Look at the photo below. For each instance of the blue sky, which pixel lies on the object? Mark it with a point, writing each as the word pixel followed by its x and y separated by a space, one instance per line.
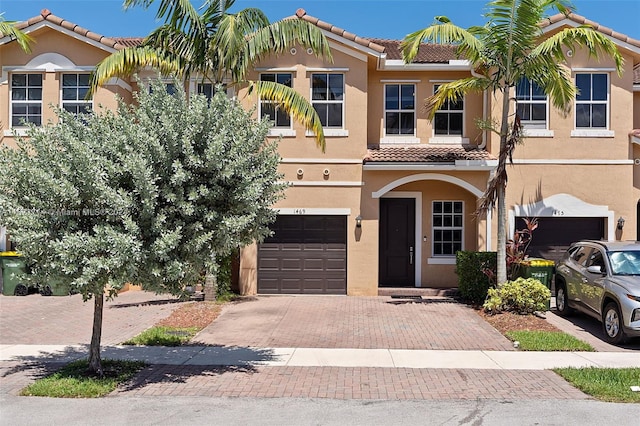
pixel 368 18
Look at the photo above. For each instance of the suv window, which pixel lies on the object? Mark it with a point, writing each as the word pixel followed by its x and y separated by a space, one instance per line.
pixel 596 259
pixel 581 254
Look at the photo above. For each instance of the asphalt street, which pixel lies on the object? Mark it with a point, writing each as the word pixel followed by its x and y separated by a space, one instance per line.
pixel 300 412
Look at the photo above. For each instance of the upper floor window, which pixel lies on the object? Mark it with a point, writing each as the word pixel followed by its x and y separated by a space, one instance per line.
pixel 447 223
pixel 449 118
pixel 26 99
pixel 399 109
pixel 592 100
pixel 74 90
pixel 327 97
pixel 280 117
pixel 531 104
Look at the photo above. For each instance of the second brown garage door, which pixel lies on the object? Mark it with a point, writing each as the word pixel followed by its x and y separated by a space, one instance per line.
pixel 306 255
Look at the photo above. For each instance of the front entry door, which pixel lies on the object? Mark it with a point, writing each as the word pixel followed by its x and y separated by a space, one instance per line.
pixel 397 242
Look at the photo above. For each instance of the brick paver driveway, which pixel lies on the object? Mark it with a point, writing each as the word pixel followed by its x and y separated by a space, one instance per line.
pixel 352 322
pixel 66 320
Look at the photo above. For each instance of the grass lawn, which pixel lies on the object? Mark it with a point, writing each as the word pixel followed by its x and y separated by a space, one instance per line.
pixel 163 336
pixel 605 384
pixel 536 340
pixel 74 381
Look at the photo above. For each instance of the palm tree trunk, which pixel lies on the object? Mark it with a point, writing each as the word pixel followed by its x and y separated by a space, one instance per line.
pixel 501 191
pixel 95 363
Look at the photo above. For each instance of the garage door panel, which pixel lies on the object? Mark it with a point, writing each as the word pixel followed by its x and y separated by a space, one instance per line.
pixel 554 234
pixel 305 255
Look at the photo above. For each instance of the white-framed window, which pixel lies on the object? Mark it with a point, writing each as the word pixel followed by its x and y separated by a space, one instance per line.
pixel 399 109
pixel 281 119
pixel 449 119
pixel 206 89
pixel 75 87
pixel 327 97
pixel 26 99
pixel 531 105
pixel 592 101
pixel 447 227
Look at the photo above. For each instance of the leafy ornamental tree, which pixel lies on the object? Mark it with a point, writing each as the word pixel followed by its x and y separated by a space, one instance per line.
pixel 508 48
pixel 149 195
pixel 221 47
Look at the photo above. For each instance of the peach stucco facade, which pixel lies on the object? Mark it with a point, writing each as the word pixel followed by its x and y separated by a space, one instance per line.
pixel 563 173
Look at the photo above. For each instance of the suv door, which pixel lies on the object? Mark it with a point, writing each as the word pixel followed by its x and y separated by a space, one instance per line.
pixel 592 289
pixel 574 270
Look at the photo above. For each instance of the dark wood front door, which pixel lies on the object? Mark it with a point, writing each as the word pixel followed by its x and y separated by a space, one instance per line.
pixel 397 242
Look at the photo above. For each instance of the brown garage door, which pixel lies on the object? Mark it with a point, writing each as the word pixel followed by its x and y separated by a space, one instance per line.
pixel 554 234
pixel 306 255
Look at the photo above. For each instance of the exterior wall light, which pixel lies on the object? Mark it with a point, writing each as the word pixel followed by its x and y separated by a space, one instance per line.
pixel 358 221
pixel 620 222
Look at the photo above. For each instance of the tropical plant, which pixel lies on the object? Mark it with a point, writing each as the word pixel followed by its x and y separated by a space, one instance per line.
pixel 508 48
pixel 213 44
pixel 9 29
pixel 152 194
pixel 518 245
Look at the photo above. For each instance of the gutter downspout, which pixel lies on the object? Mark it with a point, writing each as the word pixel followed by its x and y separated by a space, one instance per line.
pixel 485 102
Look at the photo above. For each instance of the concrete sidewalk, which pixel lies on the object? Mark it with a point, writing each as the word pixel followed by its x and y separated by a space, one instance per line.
pixel 323 357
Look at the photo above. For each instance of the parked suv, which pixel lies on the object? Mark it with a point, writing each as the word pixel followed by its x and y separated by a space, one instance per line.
pixel 602 279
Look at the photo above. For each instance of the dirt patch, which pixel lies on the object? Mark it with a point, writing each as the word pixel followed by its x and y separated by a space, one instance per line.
pixel 509 321
pixel 192 314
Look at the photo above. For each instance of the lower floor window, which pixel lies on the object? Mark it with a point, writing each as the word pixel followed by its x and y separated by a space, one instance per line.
pixel 447 223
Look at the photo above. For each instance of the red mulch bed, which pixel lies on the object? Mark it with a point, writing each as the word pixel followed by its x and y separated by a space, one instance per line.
pixel 192 314
pixel 509 321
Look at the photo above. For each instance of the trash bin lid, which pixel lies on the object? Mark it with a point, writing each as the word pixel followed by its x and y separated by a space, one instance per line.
pixel 9 254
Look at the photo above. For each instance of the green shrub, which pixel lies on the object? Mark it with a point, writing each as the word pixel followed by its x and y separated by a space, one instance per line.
pixel 473 282
pixel 521 295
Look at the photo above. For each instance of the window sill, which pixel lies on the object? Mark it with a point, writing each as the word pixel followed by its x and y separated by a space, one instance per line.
pixel 449 140
pixel 20 132
pixel 592 133
pixel 537 133
pixel 398 140
pixel 332 133
pixel 285 133
pixel 444 260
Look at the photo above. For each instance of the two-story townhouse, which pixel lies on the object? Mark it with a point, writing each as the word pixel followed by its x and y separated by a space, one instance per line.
pixel 392 198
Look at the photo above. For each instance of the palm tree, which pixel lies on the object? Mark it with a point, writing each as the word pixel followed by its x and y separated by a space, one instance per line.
pixel 8 28
pixel 505 50
pixel 214 44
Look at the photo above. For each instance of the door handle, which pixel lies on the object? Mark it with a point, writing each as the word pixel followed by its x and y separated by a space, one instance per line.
pixel 410 255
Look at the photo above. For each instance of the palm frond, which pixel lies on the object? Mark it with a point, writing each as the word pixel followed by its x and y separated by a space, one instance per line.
pixel 127 62
pixel 442 32
pixel 177 13
pixel 293 103
pixel 453 91
pixel 584 37
pixel 8 29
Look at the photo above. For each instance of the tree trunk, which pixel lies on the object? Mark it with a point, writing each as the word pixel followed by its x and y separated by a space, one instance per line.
pixel 501 191
pixel 95 363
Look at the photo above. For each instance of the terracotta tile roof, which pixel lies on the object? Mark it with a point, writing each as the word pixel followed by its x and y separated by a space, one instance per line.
pixel 584 21
pixel 425 154
pixel 46 15
pixel 129 41
pixel 302 14
pixel 428 53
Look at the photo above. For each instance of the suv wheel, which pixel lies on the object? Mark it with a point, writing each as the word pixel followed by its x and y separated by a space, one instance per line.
pixel 612 324
pixel 562 301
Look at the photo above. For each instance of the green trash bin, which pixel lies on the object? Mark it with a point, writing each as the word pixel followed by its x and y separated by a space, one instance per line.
pixel 54 287
pixel 13 272
pixel 540 269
